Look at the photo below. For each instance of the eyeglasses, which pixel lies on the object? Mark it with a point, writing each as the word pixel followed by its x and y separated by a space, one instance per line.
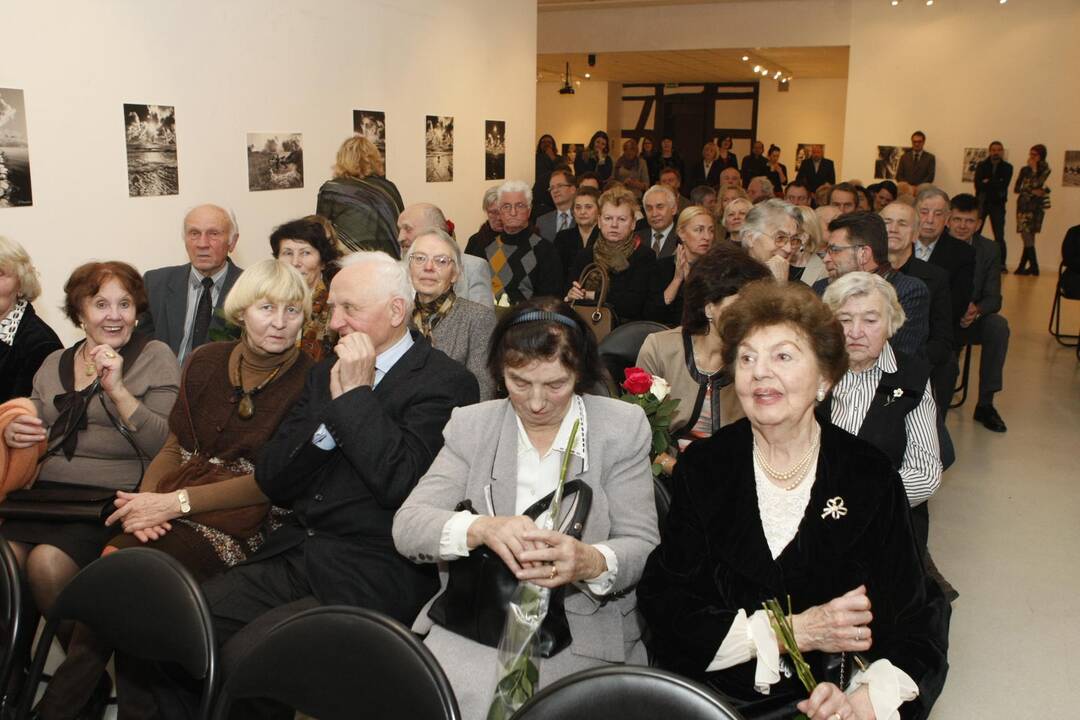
pixel 837 249
pixel 441 261
pixel 783 239
pixel 516 207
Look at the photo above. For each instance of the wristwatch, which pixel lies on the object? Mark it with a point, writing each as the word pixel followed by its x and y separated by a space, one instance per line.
pixel 185 506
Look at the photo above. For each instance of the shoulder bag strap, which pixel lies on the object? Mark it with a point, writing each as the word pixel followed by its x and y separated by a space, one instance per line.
pixel 579 508
pixel 601 294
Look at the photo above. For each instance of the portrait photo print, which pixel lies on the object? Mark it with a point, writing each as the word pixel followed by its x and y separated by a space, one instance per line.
pixel 275 161
pixel 439 148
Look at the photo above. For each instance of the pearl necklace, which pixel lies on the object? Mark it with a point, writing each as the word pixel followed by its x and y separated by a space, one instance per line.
pixel 797 471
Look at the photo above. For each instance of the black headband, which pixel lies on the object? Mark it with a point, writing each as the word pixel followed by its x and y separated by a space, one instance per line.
pixel 543 316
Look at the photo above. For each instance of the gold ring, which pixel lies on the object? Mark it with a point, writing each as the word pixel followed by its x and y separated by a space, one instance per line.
pixel 110 354
pixel 554 572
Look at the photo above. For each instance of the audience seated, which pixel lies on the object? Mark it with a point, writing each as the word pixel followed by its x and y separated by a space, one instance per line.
pixel 865 402
pixel 695 234
pixel 734 216
pixel 184 300
pixel 455 325
pixel 25 339
pixel 689 356
pixel 199 501
pixel 728 193
pixel 771 234
pixel 672 179
pixel 759 189
pixel 309 246
pixel 797 193
pixel 473 274
pixel 733 532
pixel 804 264
pixel 730 177
pixel 630 168
pixel 982 323
pixel 596 159
pixel 859 241
pixel 582 234
pixel 522 263
pixel 628 262
pixel 544 360
pixel 706 197
pixel 844 197
pixel 816 170
pixel 588 179
pixel 661 208
pixel 561 189
pixel 361 203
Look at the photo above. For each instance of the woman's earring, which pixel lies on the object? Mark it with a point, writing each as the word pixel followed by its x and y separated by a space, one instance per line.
pixel 821 394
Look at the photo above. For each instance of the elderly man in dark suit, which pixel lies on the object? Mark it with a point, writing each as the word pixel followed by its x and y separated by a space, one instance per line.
pixel 816 170
pixel 185 299
pixel 916 165
pixel 982 323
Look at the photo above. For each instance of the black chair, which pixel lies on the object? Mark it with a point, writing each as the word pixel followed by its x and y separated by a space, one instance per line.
pixel 965 374
pixel 663 503
pixel 619 350
pixel 626 693
pixel 11 618
pixel 1068 288
pixel 143 603
pixel 341 662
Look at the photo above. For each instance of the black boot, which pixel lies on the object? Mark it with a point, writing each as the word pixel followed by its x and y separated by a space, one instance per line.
pixel 1021 269
pixel 1033 264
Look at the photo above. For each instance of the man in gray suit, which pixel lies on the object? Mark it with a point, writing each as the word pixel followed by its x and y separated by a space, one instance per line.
pixel 185 300
pixel 916 165
pixel 563 190
pixel 474 280
pixel 661 205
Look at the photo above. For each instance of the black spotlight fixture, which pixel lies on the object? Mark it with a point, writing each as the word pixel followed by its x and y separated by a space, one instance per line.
pixel 592 59
pixel 567 88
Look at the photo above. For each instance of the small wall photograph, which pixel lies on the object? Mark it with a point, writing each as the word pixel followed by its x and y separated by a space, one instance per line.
pixel 972 157
pixel 275 161
pixel 372 125
pixel 1070 174
pixel 15 190
pixel 151 150
pixel 802 152
pixel 439 145
pixel 494 149
pixel 888 160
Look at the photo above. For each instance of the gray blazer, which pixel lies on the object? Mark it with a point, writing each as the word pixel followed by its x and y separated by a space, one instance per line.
pixel 465 334
pixel 622 516
pixel 547 225
pixel 916 173
pixel 167 289
pixel 474 281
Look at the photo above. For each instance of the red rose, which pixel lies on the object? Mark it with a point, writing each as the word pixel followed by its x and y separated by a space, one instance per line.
pixel 637 381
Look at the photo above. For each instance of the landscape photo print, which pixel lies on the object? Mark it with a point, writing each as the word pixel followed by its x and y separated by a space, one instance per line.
pixel 275 161
pixel 15 190
pixel 439 148
pixel 150 132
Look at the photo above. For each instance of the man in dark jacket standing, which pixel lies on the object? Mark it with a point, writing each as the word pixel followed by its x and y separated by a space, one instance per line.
pixel 993 175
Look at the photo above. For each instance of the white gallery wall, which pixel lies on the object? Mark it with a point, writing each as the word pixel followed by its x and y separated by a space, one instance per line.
pixel 967 72
pixel 571 118
pixel 249 66
pixel 811 111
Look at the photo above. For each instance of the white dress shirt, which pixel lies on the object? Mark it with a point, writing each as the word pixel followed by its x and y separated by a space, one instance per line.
pixel 923 252
pixel 195 289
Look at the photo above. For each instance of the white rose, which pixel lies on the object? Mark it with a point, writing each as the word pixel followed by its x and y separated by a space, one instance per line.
pixel 660 388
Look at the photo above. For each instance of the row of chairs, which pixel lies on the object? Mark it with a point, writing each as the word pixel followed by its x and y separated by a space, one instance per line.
pixel 326 663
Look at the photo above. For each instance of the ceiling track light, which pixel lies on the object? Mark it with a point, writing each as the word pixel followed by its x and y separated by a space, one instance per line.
pixel 929 3
pixel 745 58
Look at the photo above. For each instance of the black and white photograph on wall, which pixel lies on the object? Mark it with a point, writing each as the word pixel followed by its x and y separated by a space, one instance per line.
pixel 372 125
pixel 802 152
pixel 1070 176
pixel 275 161
pixel 439 141
pixel 151 150
pixel 494 149
pixel 972 157
pixel 888 160
pixel 571 152
pixel 15 188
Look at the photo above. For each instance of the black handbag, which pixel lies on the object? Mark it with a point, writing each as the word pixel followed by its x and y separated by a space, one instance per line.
pixel 59 503
pixel 480 586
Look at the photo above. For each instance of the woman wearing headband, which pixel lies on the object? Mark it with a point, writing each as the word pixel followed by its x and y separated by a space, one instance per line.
pixel 543 359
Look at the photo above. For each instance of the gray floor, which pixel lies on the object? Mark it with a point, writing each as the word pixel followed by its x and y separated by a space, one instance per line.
pixel 1004 528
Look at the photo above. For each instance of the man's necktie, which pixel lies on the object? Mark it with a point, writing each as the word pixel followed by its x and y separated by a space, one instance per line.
pixel 563 221
pixel 657 243
pixel 204 311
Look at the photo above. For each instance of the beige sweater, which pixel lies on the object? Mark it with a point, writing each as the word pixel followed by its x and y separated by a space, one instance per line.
pixel 103 457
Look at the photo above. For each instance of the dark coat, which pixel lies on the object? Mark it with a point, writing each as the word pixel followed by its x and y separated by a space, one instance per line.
pixel 655 308
pixel 957 258
pixel 992 183
pixel 167 289
pixel 568 245
pixel 919 172
pixel 628 290
pixel 753 166
pixel 940 343
pixel 364 212
pixel 34 341
pixel 826 174
pixel 713 560
pixel 343 500
pixel 699 177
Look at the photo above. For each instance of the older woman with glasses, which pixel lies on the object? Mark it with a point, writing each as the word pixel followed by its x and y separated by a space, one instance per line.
pixel 806 266
pixel 459 327
pixel 771 234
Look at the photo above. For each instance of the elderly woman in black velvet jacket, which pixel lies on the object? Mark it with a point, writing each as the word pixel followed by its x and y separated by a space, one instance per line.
pixel 25 339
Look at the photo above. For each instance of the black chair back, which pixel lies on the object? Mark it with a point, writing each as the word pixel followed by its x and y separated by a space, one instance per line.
pixel 143 603
pixel 619 350
pixel 341 662
pixel 626 693
pixel 10 615
pixel 663 503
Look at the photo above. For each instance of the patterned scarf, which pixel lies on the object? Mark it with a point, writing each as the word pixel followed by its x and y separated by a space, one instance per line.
pixel 428 314
pixel 614 257
pixel 9 325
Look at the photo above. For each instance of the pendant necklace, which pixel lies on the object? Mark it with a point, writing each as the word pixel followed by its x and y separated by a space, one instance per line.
pixel 246 408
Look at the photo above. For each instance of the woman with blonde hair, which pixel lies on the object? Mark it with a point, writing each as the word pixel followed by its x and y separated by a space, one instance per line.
pixel 805 265
pixel 360 202
pixel 696 232
pixel 25 339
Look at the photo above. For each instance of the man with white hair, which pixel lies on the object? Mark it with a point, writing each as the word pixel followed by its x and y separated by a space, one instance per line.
pixel 474 277
pixel 760 189
pixel 523 264
pixel 185 299
pixel 661 206
pixel 366 428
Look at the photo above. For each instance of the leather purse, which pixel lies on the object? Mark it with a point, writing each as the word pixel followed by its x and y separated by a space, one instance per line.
pixel 480 586
pixel 59 503
pixel 600 317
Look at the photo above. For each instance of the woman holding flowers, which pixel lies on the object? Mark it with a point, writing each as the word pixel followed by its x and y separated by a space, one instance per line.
pixel 778 506
pixel 543 359
pixel 689 356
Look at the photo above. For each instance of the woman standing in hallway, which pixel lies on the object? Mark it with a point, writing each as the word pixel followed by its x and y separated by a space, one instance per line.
pixel 1031 203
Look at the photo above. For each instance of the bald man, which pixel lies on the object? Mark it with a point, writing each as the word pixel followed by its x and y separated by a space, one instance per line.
pixel 474 279
pixel 185 299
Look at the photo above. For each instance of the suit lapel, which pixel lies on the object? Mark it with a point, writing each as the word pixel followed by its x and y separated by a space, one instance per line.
pixel 504 465
pixel 176 305
pixel 414 359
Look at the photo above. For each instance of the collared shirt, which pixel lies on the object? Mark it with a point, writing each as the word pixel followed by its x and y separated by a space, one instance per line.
pixel 195 289
pixel 563 220
pixel 9 325
pixel 660 237
pixel 920 469
pixel 537 476
pixel 383 362
pixel 922 251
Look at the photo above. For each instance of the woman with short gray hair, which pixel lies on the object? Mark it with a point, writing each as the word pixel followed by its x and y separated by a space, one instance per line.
pixel 459 327
pixel 770 234
pixel 885 396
